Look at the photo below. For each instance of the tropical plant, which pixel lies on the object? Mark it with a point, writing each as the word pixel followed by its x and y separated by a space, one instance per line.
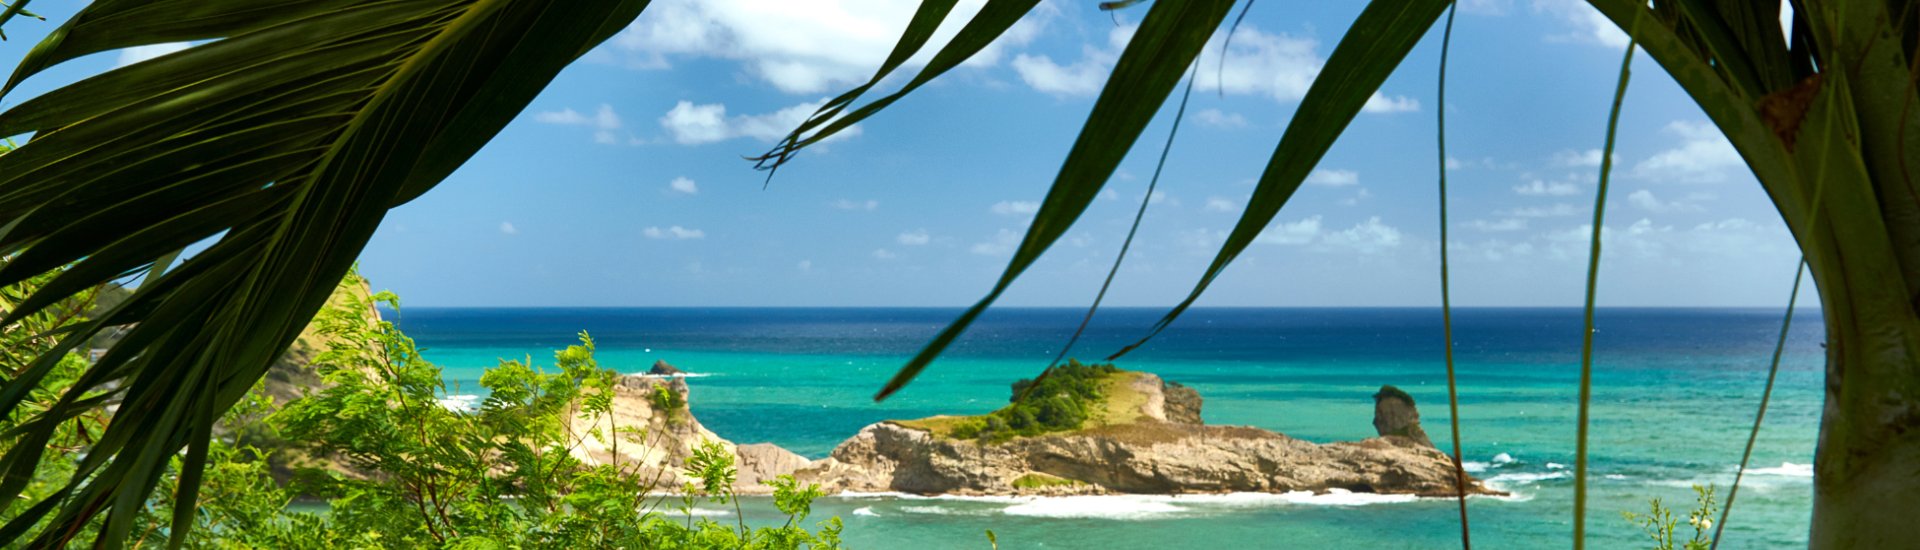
pixel 285 138
pixel 421 474
pixel 1658 522
pixel 406 471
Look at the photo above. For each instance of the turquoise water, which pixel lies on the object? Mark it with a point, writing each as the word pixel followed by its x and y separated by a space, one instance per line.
pixel 1674 396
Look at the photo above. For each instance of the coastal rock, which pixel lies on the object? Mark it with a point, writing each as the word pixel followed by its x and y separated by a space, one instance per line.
pixel 650 425
pixel 1182 404
pixel 1394 415
pixel 760 462
pixel 662 368
pixel 1165 450
pixel 1149 457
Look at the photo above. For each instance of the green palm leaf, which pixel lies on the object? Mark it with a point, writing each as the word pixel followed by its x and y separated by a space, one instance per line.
pixel 283 142
pixel 1380 39
pixel 1169 39
pixel 1167 42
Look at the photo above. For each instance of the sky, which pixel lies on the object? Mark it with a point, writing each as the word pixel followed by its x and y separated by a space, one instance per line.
pixel 624 183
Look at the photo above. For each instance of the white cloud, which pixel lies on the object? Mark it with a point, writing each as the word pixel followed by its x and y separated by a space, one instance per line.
pixel 1454 163
pixel 1704 156
pixel 1368 237
pixel 1380 104
pixel 1590 25
pixel 1333 178
pixel 1294 233
pixel 137 54
pixel 1201 240
pixel 1554 211
pixel 1493 250
pixel 684 185
pixel 846 204
pixel 566 116
pixel 1580 159
pixel 1507 224
pixel 1217 204
pixel 673 233
pixel 1219 119
pixel 1279 66
pixel 884 254
pixel 805 265
pixel 1486 7
pixel 1645 200
pixel 917 237
pixel 694 124
pixel 1358 195
pixel 1001 245
pixel 604 121
pixel 1079 79
pixel 508 229
pixel 798 46
pixel 1539 188
pixel 1015 208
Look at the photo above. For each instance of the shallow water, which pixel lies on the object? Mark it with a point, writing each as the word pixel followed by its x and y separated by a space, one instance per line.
pixel 1674 396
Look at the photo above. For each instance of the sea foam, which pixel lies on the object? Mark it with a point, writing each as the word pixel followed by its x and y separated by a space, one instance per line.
pixel 1121 506
pixel 1785 469
pixel 460 403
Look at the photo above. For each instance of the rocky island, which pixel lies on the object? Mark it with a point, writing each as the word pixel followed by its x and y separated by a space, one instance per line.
pixel 1079 430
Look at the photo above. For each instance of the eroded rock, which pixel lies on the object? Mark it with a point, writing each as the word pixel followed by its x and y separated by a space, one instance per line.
pixel 1394 415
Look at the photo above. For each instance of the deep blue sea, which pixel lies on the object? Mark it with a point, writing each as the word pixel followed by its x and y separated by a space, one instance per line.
pixel 1674 396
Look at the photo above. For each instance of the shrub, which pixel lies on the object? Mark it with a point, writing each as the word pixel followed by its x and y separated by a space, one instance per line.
pixel 1058 400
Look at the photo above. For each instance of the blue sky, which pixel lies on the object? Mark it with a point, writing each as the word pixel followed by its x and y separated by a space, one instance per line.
pixel 623 184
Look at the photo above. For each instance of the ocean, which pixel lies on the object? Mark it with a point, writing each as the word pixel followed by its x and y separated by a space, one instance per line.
pixel 1674 397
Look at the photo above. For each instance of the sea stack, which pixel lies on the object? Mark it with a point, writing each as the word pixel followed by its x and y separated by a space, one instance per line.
pixel 662 368
pixel 1395 416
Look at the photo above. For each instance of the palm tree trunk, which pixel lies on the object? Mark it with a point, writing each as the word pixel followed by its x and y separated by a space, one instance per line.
pixel 1867 468
pixel 1867 464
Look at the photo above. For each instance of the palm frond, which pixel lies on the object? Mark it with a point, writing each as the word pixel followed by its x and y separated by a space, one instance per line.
pixel 1446 283
pixel 282 142
pixel 992 21
pixel 1170 37
pixel 1593 284
pixel 1383 34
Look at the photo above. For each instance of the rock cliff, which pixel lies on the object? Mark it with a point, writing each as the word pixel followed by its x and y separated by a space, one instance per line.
pixel 1150 440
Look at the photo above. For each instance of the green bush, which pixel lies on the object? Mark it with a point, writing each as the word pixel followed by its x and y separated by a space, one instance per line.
pixel 1061 399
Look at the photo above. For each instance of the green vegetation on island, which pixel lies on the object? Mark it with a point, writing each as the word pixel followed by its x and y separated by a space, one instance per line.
pixel 1065 398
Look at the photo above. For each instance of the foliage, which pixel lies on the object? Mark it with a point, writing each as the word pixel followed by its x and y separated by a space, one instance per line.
pixel 1658 523
pixel 1061 399
pixel 1042 481
pixel 668 402
pixel 505 475
pixel 418 474
pixel 279 140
